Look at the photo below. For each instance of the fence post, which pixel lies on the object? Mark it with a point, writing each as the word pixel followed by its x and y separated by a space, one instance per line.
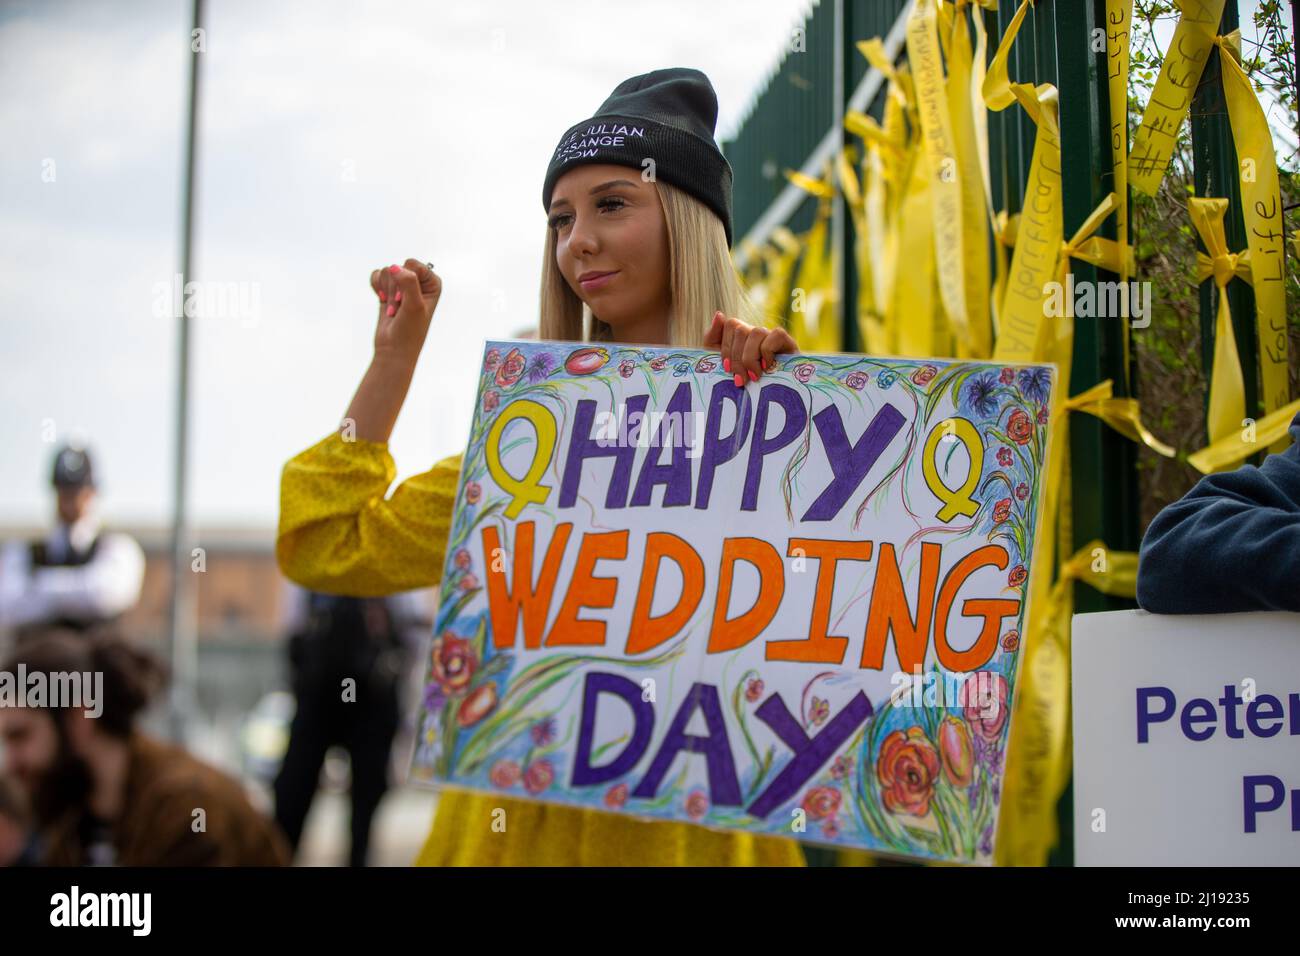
pixel 1214 173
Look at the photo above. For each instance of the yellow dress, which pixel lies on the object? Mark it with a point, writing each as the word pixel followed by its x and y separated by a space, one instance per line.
pixel 339 533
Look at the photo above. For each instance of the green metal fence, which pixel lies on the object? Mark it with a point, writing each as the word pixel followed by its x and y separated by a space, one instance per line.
pixel 796 121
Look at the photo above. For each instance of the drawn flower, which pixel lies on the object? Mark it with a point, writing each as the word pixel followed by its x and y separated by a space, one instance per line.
pixel 856 380
pixel 1002 511
pixel 616 796
pixel 681 368
pixel 468 583
pixel 886 378
pixel 1017 575
pixel 434 697
pixel 481 702
pixel 454 663
pixel 1004 457
pixel 1019 428
pixel 1022 491
pixel 1007 376
pixel 1041 417
pixel 492 360
pixel 491 400
pixel 697 804
pixel 1034 383
pixel 541 367
pixel 986 841
pixel 626 368
pixel 504 774
pixel 906 769
pixel 803 372
pixel 509 371
pixel 706 364
pixel 472 491
pixel 1010 640
pixel 989 756
pixel 986 716
pixel 818 711
pixel 924 374
pixel 956 752
pixel 539 775
pixel 585 361
pixel 821 803
pixel 980 393
pixel 841 767
pixel 831 828
pixel 542 732
pixel 754 690
pixel 658 362
pixel 463 560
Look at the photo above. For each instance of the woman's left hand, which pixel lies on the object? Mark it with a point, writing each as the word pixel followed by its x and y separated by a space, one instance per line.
pixel 747 350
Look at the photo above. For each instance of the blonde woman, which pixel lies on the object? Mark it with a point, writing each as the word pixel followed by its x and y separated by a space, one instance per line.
pixel 630 258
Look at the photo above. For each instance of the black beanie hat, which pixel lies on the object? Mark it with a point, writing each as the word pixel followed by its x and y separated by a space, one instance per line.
pixel 665 115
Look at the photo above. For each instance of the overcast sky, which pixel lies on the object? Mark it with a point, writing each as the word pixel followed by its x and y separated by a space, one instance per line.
pixel 335 138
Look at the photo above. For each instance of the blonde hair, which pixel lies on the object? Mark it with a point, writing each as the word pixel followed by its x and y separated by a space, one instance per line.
pixel 701 275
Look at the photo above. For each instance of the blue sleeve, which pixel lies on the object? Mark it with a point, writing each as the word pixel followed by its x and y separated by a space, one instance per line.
pixel 1232 543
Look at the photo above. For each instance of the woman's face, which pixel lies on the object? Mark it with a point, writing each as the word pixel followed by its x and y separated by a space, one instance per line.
pixel 608 220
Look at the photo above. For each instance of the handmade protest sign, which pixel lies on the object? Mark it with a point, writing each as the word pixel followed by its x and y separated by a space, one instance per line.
pixel 791 607
pixel 1186 739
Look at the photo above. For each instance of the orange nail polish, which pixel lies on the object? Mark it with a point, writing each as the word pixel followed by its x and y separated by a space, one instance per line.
pixel 391 311
pixel 383 296
pixel 393 269
pixel 739 381
pixel 752 376
pixel 726 365
pixel 398 297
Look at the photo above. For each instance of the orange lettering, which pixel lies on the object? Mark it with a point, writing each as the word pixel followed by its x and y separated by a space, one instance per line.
pixel 889 611
pixel 587 590
pixel 646 632
pixel 820 647
pixel 504 608
pixel 729 635
pixel 992 610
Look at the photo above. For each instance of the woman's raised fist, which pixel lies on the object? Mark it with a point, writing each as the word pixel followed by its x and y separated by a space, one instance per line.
pixel 408 294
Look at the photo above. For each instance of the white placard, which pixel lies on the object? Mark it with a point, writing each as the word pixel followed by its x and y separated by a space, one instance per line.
pixel 1186 739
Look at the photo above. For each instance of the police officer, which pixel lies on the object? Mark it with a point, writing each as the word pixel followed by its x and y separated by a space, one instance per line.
pixel 347 658
pixel 79 575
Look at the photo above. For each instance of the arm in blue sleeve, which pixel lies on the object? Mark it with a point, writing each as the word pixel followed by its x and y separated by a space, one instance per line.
pixel 1232 543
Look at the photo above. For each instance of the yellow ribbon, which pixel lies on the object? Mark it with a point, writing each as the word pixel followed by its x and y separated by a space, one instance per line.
pixel 813 314
pixel 1270 429
pixel 1121 414
pixel 1033 262
pixel 1261 209
pixel 1119 20
pixel 1036 755
pixel 785 247
pixel 862 245
pixel 968 118
pixel 1227 406
pixel 1045 691
pixel 940 163
pixel 911 328
pixel 1188 50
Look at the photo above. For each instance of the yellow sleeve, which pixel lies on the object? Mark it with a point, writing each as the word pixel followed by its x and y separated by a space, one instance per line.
pixel 338 532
